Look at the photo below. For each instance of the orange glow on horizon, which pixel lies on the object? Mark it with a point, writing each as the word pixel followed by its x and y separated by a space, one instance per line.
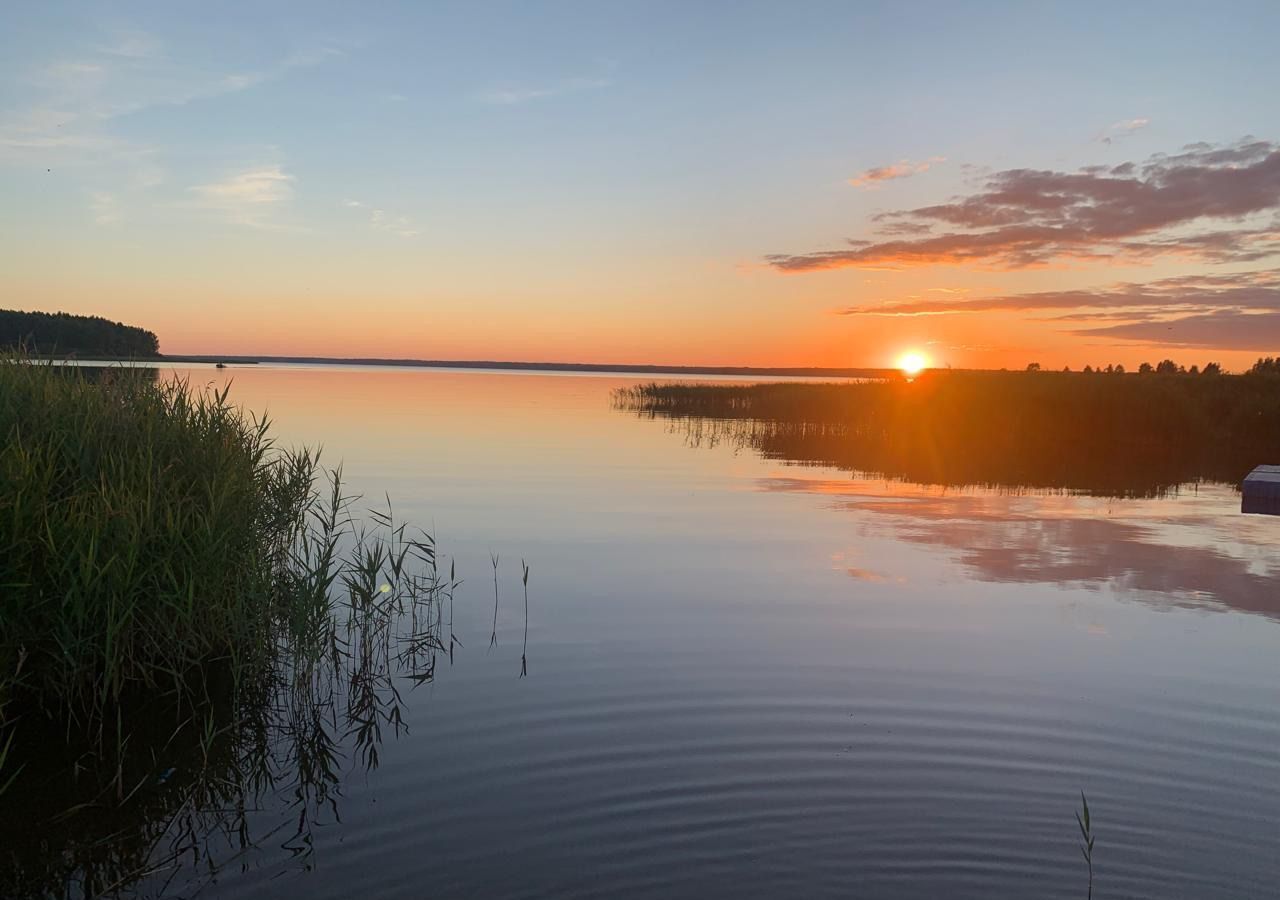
pixel 356 313
pixel 913 362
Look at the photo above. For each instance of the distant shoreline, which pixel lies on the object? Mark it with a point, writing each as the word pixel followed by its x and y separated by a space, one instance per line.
pixel 798 371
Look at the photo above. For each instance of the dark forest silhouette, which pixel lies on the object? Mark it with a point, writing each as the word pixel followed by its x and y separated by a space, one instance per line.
pixel 66 334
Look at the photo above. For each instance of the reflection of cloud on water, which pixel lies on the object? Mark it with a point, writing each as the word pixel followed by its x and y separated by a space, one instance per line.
pixel 1192 551
pixel 839 562
pixel 874 577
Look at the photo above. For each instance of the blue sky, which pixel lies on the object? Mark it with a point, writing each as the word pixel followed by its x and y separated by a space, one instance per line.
pixel 597 175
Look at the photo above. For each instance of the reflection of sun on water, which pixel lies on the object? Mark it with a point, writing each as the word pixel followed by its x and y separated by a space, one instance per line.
pixel 912 362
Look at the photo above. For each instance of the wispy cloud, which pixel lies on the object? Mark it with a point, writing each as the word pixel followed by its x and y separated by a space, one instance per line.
pixel 72 101
pixel 251 197
pixel 1241 291
pixel 1226 329
pixel 242 81
pixel 1226 311
pixel 73 104
pixel 903 168
pixel 1119 130
pixel 381 220
pixel 1030 217
pixel 131 44
pixel 401 226
pixel 508 95
pixel 104 207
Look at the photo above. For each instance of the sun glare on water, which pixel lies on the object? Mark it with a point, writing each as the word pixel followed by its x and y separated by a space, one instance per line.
pixel 913 363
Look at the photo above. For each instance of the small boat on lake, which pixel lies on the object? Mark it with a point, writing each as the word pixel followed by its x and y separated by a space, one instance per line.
pixel 1260 492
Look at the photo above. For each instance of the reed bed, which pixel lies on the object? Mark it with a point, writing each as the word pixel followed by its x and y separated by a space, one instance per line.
pixel 1125 435
pixel 189 616
pixel 206 779
pixel 157 547
pixel 146 529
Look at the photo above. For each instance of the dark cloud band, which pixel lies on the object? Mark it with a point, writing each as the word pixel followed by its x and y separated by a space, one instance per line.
pixel 1029 217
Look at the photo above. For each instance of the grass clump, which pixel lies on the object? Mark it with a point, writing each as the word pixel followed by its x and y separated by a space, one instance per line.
pixel 147 530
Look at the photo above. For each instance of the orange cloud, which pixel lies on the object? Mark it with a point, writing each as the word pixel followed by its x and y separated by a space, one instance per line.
pixel 904 168
pixel 1243 291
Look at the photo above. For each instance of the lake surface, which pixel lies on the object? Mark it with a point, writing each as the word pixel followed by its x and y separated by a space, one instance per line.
pixel 754 679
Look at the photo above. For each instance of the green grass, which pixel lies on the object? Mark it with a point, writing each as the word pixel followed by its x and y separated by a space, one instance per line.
pixel 145 529
pixel 1123 435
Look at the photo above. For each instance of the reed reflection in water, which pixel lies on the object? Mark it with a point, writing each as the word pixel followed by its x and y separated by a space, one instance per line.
pixel 259 761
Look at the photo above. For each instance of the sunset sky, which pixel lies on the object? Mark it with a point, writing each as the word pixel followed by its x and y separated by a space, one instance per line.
pixel 753 184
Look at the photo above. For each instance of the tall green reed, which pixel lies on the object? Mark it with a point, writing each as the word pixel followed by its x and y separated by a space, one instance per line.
pixel 524 649
pixel 1086 839
pixel 493 635
pixel 180 595
pixel 155 542
pixel 145 528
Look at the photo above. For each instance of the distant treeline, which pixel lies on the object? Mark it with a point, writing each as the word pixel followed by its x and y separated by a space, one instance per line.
pixel 60 333
pixel 1164 367
pixel 1130 436
pixel 1264 366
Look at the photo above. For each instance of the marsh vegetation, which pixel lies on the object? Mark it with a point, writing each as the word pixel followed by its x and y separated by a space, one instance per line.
pixel 1120 436
pixel 192 616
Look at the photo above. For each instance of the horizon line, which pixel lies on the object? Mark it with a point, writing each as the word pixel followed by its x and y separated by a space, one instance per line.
pixel 846 371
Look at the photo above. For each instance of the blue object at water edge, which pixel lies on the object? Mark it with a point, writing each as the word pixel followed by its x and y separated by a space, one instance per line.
pixel 1260 492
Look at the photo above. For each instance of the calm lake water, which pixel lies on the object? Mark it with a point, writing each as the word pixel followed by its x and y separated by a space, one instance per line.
pixel 754 679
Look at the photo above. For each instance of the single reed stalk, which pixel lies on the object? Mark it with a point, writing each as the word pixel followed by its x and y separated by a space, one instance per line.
pixel 493 636
pixel 1086 845
pixel 524 667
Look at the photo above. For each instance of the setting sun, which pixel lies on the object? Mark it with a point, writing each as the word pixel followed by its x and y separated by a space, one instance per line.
pixel 912 362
